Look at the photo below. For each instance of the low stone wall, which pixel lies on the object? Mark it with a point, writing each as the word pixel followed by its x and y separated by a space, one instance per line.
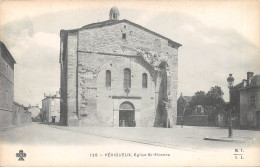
pixel 20 115
pixel 194 120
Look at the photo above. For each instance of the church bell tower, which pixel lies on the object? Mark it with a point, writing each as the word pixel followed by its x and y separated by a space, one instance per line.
pixel 114 13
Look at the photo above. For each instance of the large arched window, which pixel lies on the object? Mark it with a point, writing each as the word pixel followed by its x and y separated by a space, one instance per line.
pixel 144 80
pixel 108 78
pixel 127 78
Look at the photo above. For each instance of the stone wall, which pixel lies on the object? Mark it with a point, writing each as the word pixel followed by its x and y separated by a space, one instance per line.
pixel 72 79
pixel 20 115
pixel 196 120
pixel 91 51
pixel 108 39
pixel 63 78
pixel 96 100
pixel 106 96
pixel 161 98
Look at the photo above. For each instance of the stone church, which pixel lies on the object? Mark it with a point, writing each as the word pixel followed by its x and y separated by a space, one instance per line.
pixel 118 73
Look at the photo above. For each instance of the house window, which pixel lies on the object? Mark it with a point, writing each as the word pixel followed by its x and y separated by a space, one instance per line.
pixel 124 36
pixel 108 78
pixel 127 78
pixel 252 100
pixel 144 80
pixel 52 102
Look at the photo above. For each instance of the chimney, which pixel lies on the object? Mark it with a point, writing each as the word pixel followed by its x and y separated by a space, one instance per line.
pixel 44 95
pixel 249 75
pixel 244 83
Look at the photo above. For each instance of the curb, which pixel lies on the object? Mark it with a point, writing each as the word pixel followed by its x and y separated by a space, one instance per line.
pixel 226 139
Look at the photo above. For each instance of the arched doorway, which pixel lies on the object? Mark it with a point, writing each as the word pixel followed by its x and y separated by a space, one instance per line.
pixel 127 115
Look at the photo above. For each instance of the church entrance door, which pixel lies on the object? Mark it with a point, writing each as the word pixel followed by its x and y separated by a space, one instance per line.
pixel 126 115
pixel 53 119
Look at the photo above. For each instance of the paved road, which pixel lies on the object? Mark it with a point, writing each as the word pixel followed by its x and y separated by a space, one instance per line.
pixel 35 134
pixel 49 145
pixel 189 138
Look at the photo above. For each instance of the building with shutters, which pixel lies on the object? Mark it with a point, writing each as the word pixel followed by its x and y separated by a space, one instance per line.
pixel 118 73
pixel 50 111
pixel 6 85
pixel 245 100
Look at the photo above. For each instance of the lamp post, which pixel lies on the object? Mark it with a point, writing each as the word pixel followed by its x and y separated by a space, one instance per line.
pixel 183 112
pixel 230 81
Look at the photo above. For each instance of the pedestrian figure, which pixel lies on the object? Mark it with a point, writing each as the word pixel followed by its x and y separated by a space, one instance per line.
pixel 123 123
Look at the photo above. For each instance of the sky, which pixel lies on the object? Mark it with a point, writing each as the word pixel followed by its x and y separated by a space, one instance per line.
pixel 218 38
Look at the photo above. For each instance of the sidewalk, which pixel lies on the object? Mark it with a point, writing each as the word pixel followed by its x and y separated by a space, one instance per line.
pixel 202 127
pixel 7 127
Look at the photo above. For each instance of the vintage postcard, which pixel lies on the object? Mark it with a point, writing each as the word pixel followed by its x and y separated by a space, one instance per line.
pixel 129 83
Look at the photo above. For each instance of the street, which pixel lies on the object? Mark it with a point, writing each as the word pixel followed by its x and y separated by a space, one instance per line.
pixel 57 145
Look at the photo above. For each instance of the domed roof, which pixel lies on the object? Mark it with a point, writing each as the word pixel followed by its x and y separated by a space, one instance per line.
pixel 114 10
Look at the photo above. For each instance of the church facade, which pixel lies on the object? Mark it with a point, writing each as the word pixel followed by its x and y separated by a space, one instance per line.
pixel 118 73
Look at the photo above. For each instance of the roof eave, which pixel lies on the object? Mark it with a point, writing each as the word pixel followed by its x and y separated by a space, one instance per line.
pixel 9 54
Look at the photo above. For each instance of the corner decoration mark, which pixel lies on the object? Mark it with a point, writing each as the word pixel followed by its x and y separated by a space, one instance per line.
pixel 20 155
